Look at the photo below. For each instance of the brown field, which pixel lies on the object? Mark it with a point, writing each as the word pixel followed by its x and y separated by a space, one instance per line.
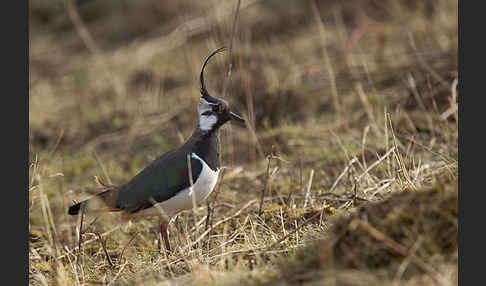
pixel 351 139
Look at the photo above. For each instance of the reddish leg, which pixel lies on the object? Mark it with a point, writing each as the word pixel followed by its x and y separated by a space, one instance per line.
pixel 164 232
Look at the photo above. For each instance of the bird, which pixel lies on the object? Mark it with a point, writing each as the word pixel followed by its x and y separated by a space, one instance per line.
pixel 169 184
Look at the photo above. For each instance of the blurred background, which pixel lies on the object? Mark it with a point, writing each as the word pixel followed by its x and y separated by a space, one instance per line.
pixel 121 77
pixel 114 84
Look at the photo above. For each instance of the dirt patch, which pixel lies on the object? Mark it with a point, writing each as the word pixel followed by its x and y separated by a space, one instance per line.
pixel 372 239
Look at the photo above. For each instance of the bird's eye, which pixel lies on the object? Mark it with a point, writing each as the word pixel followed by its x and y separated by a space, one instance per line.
pixel 217 108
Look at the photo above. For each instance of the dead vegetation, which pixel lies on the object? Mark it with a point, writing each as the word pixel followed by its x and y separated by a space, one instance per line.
pixel 347 174
pixel 412 235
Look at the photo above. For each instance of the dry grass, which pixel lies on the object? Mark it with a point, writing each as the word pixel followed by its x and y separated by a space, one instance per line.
pixel 353 140
pixel 411 234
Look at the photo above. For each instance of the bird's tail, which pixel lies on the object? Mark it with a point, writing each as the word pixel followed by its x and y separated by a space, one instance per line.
pixel 74 209
pixel 107 197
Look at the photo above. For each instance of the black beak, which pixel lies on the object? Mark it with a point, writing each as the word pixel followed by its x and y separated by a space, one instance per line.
pixel 237 119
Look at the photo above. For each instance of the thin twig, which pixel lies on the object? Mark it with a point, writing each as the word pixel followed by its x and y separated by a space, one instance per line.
pixel 448 160
pixel 413 86
pixel 226 83
pixel 267 178
pixel 191 191
pixel 343 173
pixel 216 193
pixel 367 106
pixel 222 221
pixel 452 110
pixel 399 157
pixel 80 235
pixel 233 31
pixel 89 241
pixel 118 274
pixel 388 160
pixel 330 70
pixel 56 144
pixel 424 64
pixel 307 193
pixel 104 248
pixel 376 163
pixel 102 168
pixel 126 246
pixel 363 145
pixel 295 230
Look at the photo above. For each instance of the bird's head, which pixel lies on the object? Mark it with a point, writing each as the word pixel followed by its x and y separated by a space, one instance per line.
pixel 214 112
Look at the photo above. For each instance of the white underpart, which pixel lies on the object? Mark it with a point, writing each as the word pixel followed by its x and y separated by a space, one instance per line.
pixel 202 188
pixel 206 122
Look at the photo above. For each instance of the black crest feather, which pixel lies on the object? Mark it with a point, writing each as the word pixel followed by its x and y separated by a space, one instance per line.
pixel 204 92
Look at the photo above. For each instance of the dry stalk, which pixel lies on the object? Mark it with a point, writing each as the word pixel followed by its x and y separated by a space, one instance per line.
pixel 418 98
pixel 388 161
pixel 253 135
pixel 253 143
pixel 88 242
pixel 289 197
pixel 295 230
pixel 381 188
pixel 48 219
pixel 341 145
pixel 307 193
pixel 223 260
pixel 282 222
pixel 376 163
pixel 226 83
pixel 80 235
pixel 117 274
pixel 267 179
pixel 452 110
pixel 343 173
pixel 424 64
pixel 73 266
pixel 363 145
pixel 102 168
pixel 367 106
pixel 233 32
pixel 209 217
pixel 222 221
pixel 58 140
pixel 126 246
pixel 102 242
pixel 399 158
pixel 330 70
pixel 448 160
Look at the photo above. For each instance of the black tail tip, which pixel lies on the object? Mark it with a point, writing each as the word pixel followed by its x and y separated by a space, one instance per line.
pixel 74 209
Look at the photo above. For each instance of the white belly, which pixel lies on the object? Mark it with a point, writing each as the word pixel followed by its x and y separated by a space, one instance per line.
pixel 201 189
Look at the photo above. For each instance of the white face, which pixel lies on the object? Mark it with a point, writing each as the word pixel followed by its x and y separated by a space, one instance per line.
pixel 206 122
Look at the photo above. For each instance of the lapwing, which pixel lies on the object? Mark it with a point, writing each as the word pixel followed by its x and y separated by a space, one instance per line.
pixel 164 188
